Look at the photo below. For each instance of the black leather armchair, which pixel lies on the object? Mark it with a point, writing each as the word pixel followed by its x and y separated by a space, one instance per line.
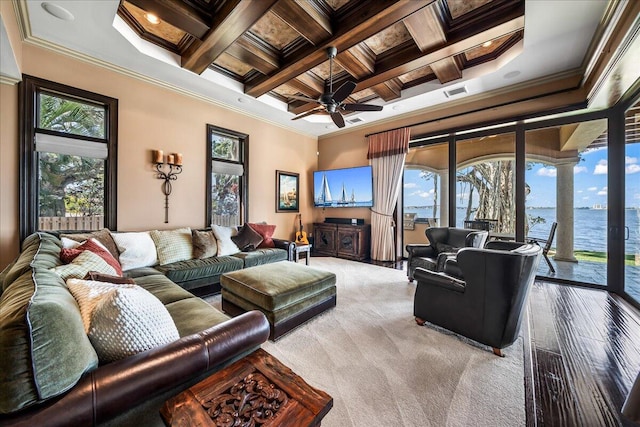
pixel 443 242
pixel 484 299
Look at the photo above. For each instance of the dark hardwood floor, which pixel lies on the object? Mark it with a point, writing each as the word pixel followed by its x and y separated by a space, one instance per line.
pixel 583 357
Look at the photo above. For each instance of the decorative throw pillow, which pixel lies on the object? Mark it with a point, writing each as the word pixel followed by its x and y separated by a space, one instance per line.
pixel 247 238
pixel 223 237
pixel 122 320
pixel 103 236
pixel 204 244
pixel 266 231
pixel 82 264
pixel 136 250
pixel 173 245
pixel 101 277
pixel 68 255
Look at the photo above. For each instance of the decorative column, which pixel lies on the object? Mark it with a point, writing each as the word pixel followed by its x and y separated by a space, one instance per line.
pixel 564 212
pixel 444 197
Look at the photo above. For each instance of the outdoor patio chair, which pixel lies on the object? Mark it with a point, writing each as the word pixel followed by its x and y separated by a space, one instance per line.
pixel 547 245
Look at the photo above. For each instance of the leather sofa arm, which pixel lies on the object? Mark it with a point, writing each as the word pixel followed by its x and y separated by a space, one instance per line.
pixel 420 250
pixel 288 246
pixel 116 387
pixel 428 277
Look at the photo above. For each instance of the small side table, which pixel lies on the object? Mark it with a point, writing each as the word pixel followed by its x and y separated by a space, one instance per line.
pixel 305 249
pixel 257 387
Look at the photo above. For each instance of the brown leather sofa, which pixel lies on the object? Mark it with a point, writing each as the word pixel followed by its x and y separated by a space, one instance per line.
pixel 49 371
pixel 485 300
pixel 443 242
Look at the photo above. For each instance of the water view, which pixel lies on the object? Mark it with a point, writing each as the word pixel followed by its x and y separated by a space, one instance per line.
pixel 590 226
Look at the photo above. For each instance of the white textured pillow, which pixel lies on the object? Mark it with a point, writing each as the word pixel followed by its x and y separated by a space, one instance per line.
pixel 82 264
pixel 223 237
pixel 136 250
pixel 122 320
pixel 173 245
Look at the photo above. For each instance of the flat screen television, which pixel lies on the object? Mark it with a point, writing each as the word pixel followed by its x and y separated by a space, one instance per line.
pixel 343 188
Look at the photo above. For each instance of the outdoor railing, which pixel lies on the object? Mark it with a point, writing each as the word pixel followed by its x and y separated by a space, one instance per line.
pixel 94 222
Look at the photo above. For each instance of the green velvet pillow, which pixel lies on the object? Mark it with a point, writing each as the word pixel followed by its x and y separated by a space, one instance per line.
pixel 44 349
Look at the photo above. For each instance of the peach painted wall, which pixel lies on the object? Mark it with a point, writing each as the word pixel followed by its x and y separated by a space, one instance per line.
pixel 151 117
pixel 9 240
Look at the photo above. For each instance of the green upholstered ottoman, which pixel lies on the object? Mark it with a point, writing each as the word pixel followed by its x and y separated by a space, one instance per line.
pixel 289 294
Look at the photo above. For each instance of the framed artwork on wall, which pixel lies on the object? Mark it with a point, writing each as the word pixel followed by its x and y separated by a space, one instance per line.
pixel 287 191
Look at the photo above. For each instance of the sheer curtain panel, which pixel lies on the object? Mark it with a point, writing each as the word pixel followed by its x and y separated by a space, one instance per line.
pixel 387 152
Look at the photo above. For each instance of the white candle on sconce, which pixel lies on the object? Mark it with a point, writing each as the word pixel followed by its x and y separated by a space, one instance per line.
pixel 178 159
pixel 158 156
pixel 170 159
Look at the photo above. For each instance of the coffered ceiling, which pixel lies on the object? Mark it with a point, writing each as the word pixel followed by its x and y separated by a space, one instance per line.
pixel 255 55
pixel 278 47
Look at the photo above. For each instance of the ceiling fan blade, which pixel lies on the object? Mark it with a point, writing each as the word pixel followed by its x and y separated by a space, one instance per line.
pixel 308 113
pixel 302 98
pixel 337 119
pixel 361 107
pixel 343 91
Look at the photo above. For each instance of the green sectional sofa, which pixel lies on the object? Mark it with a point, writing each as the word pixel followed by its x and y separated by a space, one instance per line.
pixel 202 276
pixel 50 372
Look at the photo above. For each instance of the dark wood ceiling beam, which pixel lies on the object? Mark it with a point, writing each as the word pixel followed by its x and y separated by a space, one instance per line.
pixel 176 13
pixel 249 52
pixel 388 90
pixel 302 85
pixel 393 68
pixel 426 29
pixel 378 16
pixel 359 61
pixel 230 22
pixel 446 70
pixel 303 17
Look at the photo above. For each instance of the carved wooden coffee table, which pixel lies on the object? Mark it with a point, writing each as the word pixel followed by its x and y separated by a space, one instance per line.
pixel 257 390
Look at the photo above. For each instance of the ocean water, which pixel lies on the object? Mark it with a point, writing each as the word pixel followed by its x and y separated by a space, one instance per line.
pixel 590 226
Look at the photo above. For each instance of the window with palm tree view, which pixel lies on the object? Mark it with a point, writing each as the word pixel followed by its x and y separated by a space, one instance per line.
pixel 67 158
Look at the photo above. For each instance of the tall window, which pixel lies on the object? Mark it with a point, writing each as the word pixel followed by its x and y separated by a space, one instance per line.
pixel 68 158
pixel 226 176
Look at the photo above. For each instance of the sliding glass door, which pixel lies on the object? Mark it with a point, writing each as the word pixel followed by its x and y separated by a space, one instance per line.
pixel 566 185
pixel 425 192
pixel 632 202
pixel 485 183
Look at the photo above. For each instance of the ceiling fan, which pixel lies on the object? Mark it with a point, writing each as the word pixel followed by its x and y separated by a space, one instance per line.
pixel 332 102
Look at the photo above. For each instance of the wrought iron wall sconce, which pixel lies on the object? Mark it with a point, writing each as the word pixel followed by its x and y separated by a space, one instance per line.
pixel 175 167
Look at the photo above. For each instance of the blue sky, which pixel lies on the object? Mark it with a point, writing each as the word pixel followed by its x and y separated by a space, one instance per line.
pixel 590 182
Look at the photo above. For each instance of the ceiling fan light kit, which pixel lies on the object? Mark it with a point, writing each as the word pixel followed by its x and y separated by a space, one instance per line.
pixel 332 102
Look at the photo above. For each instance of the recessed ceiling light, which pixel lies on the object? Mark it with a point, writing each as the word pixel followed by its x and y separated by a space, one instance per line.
pixel 487 44
pixel 397 107
pixel 512 74
pixel 329 126
pixel 57 11
pixel 153 19
pixel 242 100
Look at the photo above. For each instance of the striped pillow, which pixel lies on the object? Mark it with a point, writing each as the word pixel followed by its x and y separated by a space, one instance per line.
pixel 82 264
pixel 173 245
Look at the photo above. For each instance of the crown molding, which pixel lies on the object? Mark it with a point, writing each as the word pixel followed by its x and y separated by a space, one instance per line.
pixel 571 80
pixel 25 31
pixel 6 80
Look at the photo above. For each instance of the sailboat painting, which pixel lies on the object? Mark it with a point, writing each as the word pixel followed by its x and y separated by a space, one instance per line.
pixel 287 190
pixel 344 188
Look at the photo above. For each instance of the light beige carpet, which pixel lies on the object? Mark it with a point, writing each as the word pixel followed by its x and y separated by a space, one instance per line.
pixel 382 369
